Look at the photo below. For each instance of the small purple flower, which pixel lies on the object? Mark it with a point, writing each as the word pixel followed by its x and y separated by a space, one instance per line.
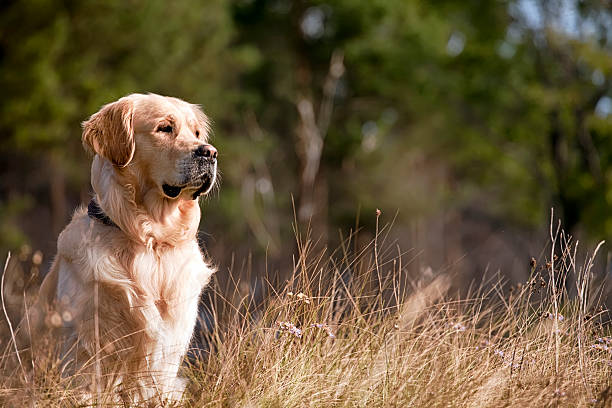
pixel 456 326
pixel 551 316
pixel 483 344
pixel 290 328
pixel 603 347
pixel 459 327
pixel 559 393
pixel 325 327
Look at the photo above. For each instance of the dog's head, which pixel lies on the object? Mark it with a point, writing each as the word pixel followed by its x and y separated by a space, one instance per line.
pixel 164 140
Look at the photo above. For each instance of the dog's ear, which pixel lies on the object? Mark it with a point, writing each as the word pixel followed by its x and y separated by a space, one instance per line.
pixel 110 132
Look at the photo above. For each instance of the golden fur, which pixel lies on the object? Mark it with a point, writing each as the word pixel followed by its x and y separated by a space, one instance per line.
pixel 128 294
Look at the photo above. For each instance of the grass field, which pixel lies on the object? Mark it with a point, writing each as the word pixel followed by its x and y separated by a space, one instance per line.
pixel 350 329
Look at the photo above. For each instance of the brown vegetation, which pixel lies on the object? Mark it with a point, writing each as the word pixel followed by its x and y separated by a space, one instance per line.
pixel 351 329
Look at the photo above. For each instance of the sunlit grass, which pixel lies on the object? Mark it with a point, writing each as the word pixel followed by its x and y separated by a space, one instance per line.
pixel 351 328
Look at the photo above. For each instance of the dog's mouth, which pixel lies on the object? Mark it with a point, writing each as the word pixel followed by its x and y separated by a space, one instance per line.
pixel 172 191
pixel 202 187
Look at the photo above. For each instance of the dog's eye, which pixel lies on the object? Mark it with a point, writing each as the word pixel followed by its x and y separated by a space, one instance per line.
pixel 165 128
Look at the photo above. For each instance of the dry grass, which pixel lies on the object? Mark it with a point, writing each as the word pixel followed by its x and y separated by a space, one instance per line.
pixel 351 329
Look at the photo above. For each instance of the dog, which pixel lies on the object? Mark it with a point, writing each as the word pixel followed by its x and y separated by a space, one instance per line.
pixel 124 287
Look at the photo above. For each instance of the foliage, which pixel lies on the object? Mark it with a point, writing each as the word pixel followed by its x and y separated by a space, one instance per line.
pixel 458 111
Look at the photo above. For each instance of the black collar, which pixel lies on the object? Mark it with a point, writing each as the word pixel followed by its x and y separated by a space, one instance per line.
pixel 94 211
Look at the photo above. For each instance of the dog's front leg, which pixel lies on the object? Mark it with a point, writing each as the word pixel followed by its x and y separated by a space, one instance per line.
pixel 163 365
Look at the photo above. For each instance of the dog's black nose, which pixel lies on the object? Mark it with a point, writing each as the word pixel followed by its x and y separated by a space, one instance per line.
pixel 206 150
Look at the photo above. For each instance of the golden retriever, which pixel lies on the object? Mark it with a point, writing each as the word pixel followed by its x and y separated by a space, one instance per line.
pixel 123 290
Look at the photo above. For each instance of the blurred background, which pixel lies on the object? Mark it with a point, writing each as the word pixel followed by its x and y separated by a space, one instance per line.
pixel 463 121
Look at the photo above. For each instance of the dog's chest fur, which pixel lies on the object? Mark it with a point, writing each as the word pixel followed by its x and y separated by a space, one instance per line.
pixel 168 285
pixel 159 289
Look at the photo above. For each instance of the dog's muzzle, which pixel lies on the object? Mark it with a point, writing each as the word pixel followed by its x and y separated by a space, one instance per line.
pixel 200 174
